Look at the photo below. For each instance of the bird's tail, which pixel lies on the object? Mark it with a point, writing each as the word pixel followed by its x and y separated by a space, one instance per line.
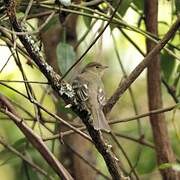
pixel 99 120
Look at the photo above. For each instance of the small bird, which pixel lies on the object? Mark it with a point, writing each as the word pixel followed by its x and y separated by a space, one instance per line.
pixel 89 90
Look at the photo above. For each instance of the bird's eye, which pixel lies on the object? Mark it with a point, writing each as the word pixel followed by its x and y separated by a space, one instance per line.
pixel 97 67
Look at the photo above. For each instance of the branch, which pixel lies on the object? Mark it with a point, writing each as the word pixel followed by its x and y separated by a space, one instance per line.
pixel 36 141
pixel 170 90
pixel 124 85
pixel 153 112
pixel 140 141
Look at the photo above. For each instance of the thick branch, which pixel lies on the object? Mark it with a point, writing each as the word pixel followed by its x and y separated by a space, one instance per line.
pixel 124 85
pixel 164 152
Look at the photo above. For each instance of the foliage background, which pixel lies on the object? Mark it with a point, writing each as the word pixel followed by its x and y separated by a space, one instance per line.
pixel 12 167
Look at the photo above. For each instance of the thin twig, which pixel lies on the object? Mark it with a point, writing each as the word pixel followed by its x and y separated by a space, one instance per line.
pixel 6 63
pixel 23 81
pixel 137 140
pixel 28 9
pixel 157 111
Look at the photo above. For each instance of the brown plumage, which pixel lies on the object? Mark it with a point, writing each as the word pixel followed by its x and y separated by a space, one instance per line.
pixel 89 89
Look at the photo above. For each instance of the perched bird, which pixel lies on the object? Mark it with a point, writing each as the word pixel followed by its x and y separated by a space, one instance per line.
pixel 89 90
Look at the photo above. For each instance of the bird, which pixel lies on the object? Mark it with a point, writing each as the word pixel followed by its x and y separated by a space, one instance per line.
pixel 89 90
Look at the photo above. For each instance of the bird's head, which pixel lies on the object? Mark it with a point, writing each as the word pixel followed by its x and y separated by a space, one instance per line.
pixel 95 67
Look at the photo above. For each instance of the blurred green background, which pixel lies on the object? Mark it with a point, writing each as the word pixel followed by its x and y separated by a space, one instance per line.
pixel 12 168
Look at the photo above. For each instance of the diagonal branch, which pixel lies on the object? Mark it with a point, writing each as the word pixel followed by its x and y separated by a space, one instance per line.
pixel 124 85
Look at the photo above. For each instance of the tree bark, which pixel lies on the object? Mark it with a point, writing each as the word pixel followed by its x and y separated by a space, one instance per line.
pixel 164 152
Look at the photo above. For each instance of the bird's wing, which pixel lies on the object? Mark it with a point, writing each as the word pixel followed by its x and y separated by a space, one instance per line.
pixel 81 89
pixel 101 97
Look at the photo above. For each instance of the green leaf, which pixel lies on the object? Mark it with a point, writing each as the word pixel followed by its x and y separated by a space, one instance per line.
pixel 65 56
pixel 139 4
pixel 123 6
pixel 168 65
pixel 177 6
pixel 27 169
pixel 178 88
pixel 51 24
pixel 9 157
pixel 12 159
pixel 174 166
pixel 20 15
pixel 177 106
pixel 18 145
pixel 67 111
pixel 147 162
pixel 87 20
pixel 178 69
